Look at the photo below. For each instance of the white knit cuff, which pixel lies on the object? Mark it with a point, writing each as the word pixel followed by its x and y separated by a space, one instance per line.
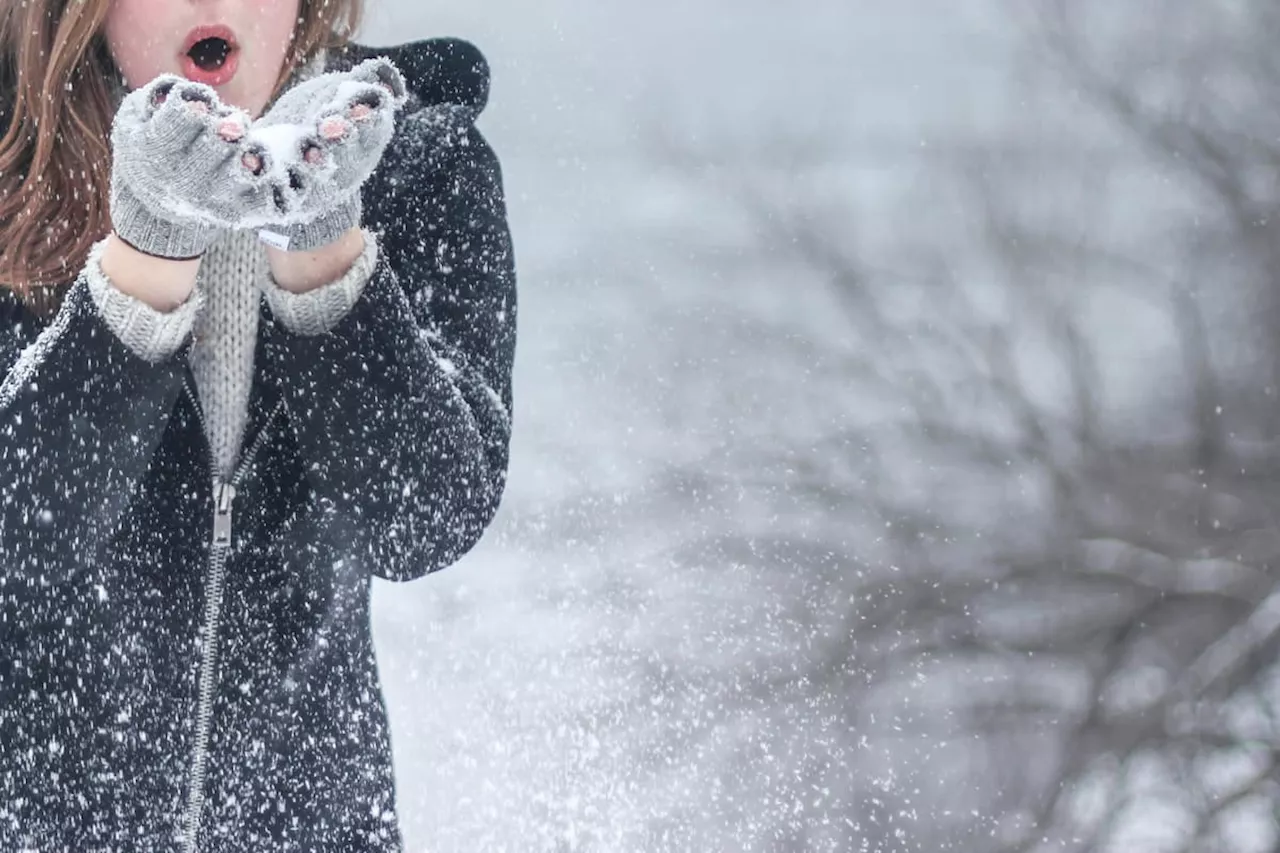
pixel 318 311
pixel 154 335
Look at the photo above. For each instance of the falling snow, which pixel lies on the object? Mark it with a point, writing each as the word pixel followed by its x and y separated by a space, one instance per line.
pixel 886 464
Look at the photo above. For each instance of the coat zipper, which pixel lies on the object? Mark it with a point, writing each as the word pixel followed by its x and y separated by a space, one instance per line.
pixel 220 546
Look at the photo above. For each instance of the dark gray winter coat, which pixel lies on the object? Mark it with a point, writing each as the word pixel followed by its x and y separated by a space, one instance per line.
pixel 176 654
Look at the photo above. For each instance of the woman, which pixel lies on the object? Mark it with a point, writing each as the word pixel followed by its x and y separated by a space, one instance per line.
pixel 257 351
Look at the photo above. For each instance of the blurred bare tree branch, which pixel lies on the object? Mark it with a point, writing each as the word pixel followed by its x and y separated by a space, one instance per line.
pixel 1075 600
pixel 956 575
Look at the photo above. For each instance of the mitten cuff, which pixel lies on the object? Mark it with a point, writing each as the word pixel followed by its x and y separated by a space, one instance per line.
pixel 327 229
pixel 142 230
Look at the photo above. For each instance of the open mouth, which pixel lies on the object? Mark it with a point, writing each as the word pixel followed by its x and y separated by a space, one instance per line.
pixel 210 54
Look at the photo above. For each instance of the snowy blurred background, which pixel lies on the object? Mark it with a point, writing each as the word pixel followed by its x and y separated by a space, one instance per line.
pixel 895 462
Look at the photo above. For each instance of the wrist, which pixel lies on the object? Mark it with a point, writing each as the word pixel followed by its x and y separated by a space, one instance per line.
pixel 162 283
pixel 301 271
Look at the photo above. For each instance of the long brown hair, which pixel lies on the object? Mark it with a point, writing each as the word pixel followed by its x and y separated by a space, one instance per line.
pixel 59 90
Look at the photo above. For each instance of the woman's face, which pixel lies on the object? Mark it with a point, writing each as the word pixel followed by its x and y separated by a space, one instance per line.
pixel 151 37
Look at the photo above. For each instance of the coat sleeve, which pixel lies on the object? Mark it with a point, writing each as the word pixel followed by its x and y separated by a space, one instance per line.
pixel 81 414
pixel 402 410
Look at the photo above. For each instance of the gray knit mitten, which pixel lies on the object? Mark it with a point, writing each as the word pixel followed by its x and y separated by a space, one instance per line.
pixel 308 156
pixel 176 152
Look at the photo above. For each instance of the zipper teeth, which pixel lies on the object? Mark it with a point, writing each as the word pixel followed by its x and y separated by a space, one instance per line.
pixel 212 619
pixel 204 715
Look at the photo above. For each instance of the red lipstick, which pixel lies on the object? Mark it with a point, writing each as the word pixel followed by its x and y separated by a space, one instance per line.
pixel 210 55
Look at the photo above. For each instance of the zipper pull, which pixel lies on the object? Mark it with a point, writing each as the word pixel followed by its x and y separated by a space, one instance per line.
pixel 222 515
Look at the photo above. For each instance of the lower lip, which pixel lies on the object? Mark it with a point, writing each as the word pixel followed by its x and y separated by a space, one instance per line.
pixel 216 77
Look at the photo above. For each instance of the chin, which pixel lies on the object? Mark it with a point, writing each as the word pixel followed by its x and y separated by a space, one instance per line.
pixel 252 103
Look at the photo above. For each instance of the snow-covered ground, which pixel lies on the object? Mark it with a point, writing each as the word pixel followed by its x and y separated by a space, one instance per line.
pixel 535 704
